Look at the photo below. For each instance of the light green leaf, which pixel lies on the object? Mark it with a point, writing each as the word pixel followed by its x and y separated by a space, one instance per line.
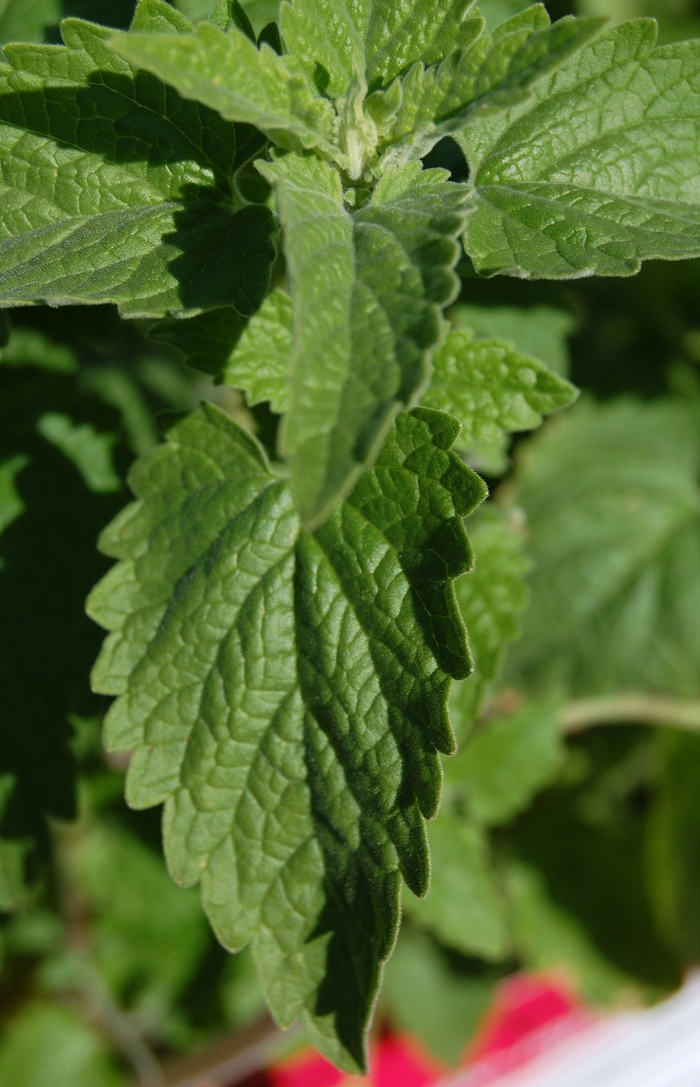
pixel 332 38
pixel 540 331
pixel 88 450
pixel 507 762
pixel 284 694
pixel 116 190
pixel 11 505
pixel 227 73
pixel 496 12
pixel 490 387
pixel 158 17
pixel 26 347
pixel 260 361
pixel 148 936
pixel 367 292
pixel 464 908
pixel 598 170
pixel 489 74
pixel 547 937
pixel 612 500
pixel 48 1044
pixel 492 599
pixel 439 1005
pixel 26 20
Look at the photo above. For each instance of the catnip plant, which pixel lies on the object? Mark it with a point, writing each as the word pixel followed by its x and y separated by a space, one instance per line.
pixel 284 628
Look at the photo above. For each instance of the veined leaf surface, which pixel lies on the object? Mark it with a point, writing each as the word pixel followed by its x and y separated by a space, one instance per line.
pixel 367 291
pixel 284 694
pixel 598 171
pixel 114 189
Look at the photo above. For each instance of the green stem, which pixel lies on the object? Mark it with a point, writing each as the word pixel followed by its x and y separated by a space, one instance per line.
pixel 631 708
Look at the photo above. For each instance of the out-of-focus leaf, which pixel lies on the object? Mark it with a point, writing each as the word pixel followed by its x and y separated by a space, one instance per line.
pixel 464 907
pixel 492 598
pixel 673 843
pixel 13 890
pixel 612 500
pixel 50 517
pixel 26 20
pixel 496 12
pixel 541 331
pixel 547 938
pixel 50 1045
pixel 507 761
pixel 439 1005
pixel 241 992
pixel 26 347
pixel 148 935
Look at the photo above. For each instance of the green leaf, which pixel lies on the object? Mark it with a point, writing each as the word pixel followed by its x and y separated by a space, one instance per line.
pixel 148 936
pixel 29 348
pixel 540 331
pixel 367 292
pixel 284 694
pixel 331 39
pixel 206 341
pixel 116 190
pixel 611 496
pixel 260 362
pixel 464 908
pixel 491 388
pixel 507 762
pixel 47 1043
pixel 158 17
pixel 496 12
pixel 439 1005
pixel 26 20
pixel 50 518
pixel 227 73
pixel 597 171
pixel 491 599
pixel 487 75
pixel 13 891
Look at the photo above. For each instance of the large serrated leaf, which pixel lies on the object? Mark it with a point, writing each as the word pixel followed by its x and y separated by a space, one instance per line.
pixel 367 292
pixel 598 171
pixel 284 694
pixel 114 189
pixel 491 387
pixel 226 72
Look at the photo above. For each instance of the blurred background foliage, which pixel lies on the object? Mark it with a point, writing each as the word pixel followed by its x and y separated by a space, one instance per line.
pixel 560 848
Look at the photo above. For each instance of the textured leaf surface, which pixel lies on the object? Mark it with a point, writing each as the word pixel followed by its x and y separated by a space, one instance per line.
pixel 491 387
pixel 541 331
pixel 492 599
pixel 114 189
pixel 226 72
pixel 487 75
pixel 262 357
pixel 598 170
pixel 611 496
pixel 464 907
pixel 285 695
pixel 367 292
pixel 384 38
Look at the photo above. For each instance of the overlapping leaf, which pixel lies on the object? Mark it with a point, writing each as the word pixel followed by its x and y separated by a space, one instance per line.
pixel 611 496
pixel 116 190
pixel 285 695
pixel 540 331
pixel 367 291
pixel 491 387
pixel 598 171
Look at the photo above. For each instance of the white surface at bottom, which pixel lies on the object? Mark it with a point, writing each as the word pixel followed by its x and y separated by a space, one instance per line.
pixel 655 1048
